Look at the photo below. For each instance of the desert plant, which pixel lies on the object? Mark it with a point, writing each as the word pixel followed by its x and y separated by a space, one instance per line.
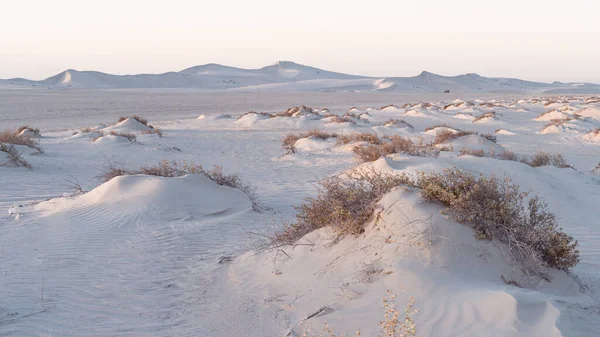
pixel 358 137
pixel 343 119
pixel 387 106
pixel 541 158
pixel 130 136
pixel 447 135
pixel 395 144
pixel 289 142
pixel 496 208
pixel 597 168
pixel 508 155
pixel 429 128
pixel 86 130
pixel 171 169
pixel 489 114
pixel 343 203
pixel 14 155
pixel 137 118
pixel 396 122
pixel 153 131
pixel 472 152
pixel 36 132
pixel 11 137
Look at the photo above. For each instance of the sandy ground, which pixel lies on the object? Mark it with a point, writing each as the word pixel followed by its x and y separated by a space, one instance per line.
pixel 138 256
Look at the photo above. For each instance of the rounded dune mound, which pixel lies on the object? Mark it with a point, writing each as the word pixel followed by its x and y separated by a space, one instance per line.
pixel 464 116
pixel 314 143
pixel 155 198
pixel 592 112
pixel 593 136
pixel 436 130
pixel 127 125
pixel 250 119
pixel 474 142
pixel 111 139
pixel 550 115
pixel 505 132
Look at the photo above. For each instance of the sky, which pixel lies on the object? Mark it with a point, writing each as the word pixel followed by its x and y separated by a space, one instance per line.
pixel 529 39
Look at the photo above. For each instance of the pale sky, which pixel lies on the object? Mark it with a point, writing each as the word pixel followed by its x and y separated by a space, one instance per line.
pixel 543 40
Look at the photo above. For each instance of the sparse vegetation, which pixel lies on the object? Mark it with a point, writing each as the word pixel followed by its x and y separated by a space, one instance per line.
pixel 343 203
pixel 490 114
pixel 14 155
pixel 396 122
pixel 358 137
pixel 392 325
pixel 173 169
pixel 438 126
pixel 289 142
pixel 472 152
pixel 11 137
pixel 343 119
pixel 137 118
pixel 36 132
pixel 154 131
pixel 387 106
pixel 541 158
pixel 444 136
pixel 86 130
pixel 395 144
pixel 496 208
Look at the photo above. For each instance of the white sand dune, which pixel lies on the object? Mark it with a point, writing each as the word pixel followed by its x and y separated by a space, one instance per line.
pixel 139 255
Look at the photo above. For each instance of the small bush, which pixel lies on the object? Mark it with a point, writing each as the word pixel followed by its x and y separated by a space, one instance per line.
pixel 36 132
pixel 396 122
pixel 496 208
pixel 472 152
pixel 387 106
pixel 130 136
pixel 597 168
pixel 86 130
pixel 292 111
pixel 153 131
pixel 447 135
pixel 137 118
pixel 290 140
pixel 541 158
pixel 14 155
pixel 557 122
pixel 396 144
pixel 490 114
pixel 343 119
pixel 358 137
pixel 345 204
pixel 11 137
pixel 508 155
pixel 438 126
pixel 489 137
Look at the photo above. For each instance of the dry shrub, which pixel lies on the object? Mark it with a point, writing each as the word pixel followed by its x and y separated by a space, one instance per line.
pixel 130 136
pixel 36 132
pixel 292 111
pixel 472 152
pixel 396 122
pixel 438 126
pixel 557 122
pixel 387 106
pixel 443 136
pixel 497 210
pixel 492 138
pixel 137 118
pixel 396 144
pixel 290 139
pixel 153 131
pixel 343 119
pixel 11 137
pixel 256 113
pixel 358 137
pixel 86 130
pixel 343 203
pixel 541 158
pixel 490 114
pixel 171 169
pixel 597 168
pixel 508 155
pixel 14 155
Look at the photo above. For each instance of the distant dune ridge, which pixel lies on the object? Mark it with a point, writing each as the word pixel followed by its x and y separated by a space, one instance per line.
pixel 286 76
